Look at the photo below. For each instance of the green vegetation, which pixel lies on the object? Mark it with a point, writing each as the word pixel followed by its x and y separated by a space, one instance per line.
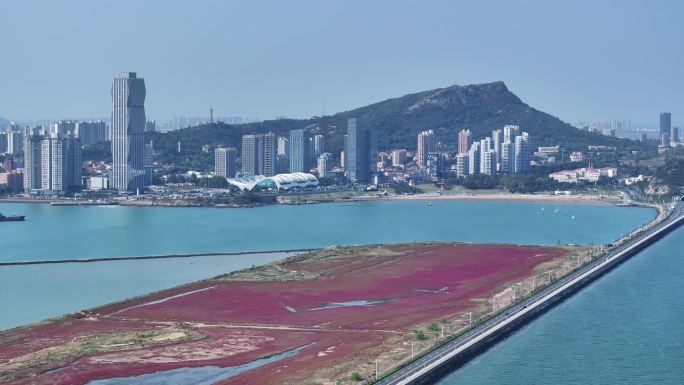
pixel 434 327
pixel 344 252
pixel 214 182
pixel 419 335
pixel 355 376
pixel 672 172
pixel 271 272
pixel 404 188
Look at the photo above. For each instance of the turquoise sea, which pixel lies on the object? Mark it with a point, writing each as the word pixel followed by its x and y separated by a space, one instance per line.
pixel 33 293
pixel 624 328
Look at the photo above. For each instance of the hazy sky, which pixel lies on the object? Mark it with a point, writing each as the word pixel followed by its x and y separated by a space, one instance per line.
pixel 578 60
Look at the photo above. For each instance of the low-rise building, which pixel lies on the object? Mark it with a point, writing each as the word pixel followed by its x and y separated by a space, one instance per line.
pixel 576 156
pixel 589 174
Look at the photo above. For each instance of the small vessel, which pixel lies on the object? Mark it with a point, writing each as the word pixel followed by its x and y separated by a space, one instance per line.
pixel 11 218
pixel 429 203
pixel 556 211
pixel 573 217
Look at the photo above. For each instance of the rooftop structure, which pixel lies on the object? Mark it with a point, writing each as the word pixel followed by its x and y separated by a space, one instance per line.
pixel 276 182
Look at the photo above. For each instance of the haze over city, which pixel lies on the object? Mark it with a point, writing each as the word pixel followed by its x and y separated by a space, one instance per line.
pixel 580 60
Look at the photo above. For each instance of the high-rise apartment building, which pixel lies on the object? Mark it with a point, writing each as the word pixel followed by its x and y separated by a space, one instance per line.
pixel 224 162
pixel 462 165
pixel 464 141
pixel 283 147
pixel 324 164
pixel 360 152
pixel 508 157
pixel 150 126
pixel 497 136
pixel 522 152
pixel 32 159
pixel 53 163
pixel 270 157
pixel 474 159
pixel 91 132
pixel 488 162
pixel 14 142
pixel 62 128
pixel 425 145
pixel 674 134
pixel 398 157
pixel 319 144
pixel 299 151
pixel 128 132
pixel 3 143
pixel 252 155
pixel 510 131
pixel 665 123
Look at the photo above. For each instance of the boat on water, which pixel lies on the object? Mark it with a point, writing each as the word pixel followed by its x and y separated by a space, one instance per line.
pixel 11 218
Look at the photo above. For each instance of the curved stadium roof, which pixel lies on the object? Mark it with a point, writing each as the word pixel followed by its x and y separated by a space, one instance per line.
pixel 280 181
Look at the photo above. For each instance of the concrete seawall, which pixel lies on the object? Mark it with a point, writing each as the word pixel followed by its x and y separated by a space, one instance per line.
pixel 444 362
pixel 165 256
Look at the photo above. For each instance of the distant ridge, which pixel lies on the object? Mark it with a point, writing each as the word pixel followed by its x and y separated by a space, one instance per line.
pixel 478 107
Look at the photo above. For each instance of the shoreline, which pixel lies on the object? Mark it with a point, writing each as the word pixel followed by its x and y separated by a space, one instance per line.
pixel 504 197
pixel 508 197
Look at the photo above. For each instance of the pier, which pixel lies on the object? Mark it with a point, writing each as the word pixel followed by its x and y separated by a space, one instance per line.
pixel 442 360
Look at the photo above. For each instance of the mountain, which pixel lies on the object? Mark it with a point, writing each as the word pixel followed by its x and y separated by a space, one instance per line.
pixel 479 107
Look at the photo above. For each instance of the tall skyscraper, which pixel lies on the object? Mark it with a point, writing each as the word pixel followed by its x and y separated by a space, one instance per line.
pixel 665 123
pixel 224 162
pixel 299 151
pixel 252 155
pixel 319 145
pixel 464 140
pixel 426 144
pixel 128 132
pixel 360 152
pixel 270 159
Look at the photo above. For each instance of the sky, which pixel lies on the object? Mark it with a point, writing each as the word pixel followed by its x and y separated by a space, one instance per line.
pixel 578 60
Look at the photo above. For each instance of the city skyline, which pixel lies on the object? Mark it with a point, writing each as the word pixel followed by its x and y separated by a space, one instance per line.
pixel 585 92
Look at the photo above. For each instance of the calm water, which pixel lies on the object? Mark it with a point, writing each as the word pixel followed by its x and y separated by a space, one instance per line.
pixel 58 232
pixel 32 293
pixel 626 328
